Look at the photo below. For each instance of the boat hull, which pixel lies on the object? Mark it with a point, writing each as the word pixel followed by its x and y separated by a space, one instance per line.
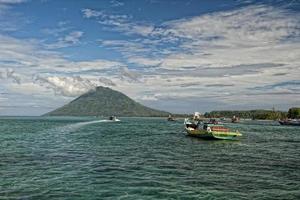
pixel 212 135
pixel 289 123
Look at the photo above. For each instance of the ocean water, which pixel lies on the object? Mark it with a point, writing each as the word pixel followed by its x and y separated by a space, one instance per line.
pixel 144 158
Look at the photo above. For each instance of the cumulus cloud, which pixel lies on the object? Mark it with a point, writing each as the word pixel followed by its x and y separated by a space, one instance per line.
pixel 143 61
pixel 10 21
pixel 88 13
pixel 249 35
pixel 119 22
pixel 106 81
pixel 29 62
pixel 72 86
pixel 115 3
pixel 5 4
pixel 67 86
pixel 10 74
pixel 96 64
pixel 254 34
pixel 127 48
pixel 11 1
pixel 221 53
pixel 258 24
pixel 70 39
pixel 29 57
pixel 61 27
pixel 246 56
pixel 129 75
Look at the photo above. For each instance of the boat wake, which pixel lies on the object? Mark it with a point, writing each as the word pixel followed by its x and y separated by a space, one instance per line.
pixel 73 127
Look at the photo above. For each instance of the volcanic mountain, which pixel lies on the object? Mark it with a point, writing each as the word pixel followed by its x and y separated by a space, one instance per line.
pixel 103 101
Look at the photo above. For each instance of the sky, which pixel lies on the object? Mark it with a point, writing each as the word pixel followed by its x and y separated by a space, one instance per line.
pixel 180 56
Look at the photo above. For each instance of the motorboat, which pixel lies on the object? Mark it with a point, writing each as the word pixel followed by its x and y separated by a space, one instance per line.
pixel 209 130
pixel 114 119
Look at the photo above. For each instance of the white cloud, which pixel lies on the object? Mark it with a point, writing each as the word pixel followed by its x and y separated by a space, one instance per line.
pixel 96 64
pixel 227 57
pixel 115 3
pixel 249 35
pixel 68 86
pixel 147 98
pixel 221 56
pixel 127 48
pixel 130 75
pixel 10 21
pixel 71 39
pixel 144 61
pixel 25 61
pixel 120 23
pixel 61 27
pixel 106 81
pixel 246 26
pixel 29 57
pixel 12 1
pixel 10 74
pixel 88 13
pixel 5 5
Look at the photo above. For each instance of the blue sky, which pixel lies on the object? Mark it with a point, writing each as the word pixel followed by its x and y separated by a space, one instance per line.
pixel 179 56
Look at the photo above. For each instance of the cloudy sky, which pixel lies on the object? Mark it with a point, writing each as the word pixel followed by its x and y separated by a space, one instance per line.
pixel 178 55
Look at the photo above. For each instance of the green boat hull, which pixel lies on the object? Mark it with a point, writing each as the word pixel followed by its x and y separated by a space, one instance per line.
pixel 213 135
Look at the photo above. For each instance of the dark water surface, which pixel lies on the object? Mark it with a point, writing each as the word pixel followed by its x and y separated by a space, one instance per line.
pixel 71 158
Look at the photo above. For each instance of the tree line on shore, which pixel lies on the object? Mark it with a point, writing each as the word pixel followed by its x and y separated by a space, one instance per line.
pixel 293 113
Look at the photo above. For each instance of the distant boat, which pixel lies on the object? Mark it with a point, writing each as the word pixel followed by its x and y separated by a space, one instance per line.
pixel 170 118
pixel 235 119
pixel 290 122
pixel 113 118
pixel 208 130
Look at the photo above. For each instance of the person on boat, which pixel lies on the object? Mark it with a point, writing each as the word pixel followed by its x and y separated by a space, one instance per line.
pixel 199 123
pixel 213 121
pixel 196 116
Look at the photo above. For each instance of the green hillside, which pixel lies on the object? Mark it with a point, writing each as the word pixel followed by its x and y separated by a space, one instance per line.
pixel 104 101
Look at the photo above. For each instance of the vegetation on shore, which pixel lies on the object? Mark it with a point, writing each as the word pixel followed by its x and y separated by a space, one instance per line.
pixel 248 114
pixel 294 113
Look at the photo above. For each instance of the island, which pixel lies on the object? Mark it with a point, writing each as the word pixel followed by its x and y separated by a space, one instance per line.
pixel 103 101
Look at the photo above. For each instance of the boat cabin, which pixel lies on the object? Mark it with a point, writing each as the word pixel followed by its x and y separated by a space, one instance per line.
pixel 215 127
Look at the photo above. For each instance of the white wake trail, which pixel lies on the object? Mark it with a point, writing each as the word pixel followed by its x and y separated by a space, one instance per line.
pixel 73 127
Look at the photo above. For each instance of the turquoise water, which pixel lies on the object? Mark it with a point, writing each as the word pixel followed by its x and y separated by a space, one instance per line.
pixel 74 158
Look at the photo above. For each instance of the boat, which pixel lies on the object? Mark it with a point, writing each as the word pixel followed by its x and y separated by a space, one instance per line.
pixel 235 119
pixel 213 121
pixel 209 130
pixel 113 119
pixel 290 122
pixel 170 118
pixel 223 119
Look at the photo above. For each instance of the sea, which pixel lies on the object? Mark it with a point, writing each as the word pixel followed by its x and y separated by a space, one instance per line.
pixel 144 158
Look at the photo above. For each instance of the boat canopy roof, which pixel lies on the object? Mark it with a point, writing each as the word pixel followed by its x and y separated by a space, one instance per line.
pixel 213 125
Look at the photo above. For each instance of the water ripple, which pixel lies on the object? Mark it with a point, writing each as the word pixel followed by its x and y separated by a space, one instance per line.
pixel 84 158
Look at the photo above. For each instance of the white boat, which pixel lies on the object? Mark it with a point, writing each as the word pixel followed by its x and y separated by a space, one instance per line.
pixel 113 119
pixel 290 122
